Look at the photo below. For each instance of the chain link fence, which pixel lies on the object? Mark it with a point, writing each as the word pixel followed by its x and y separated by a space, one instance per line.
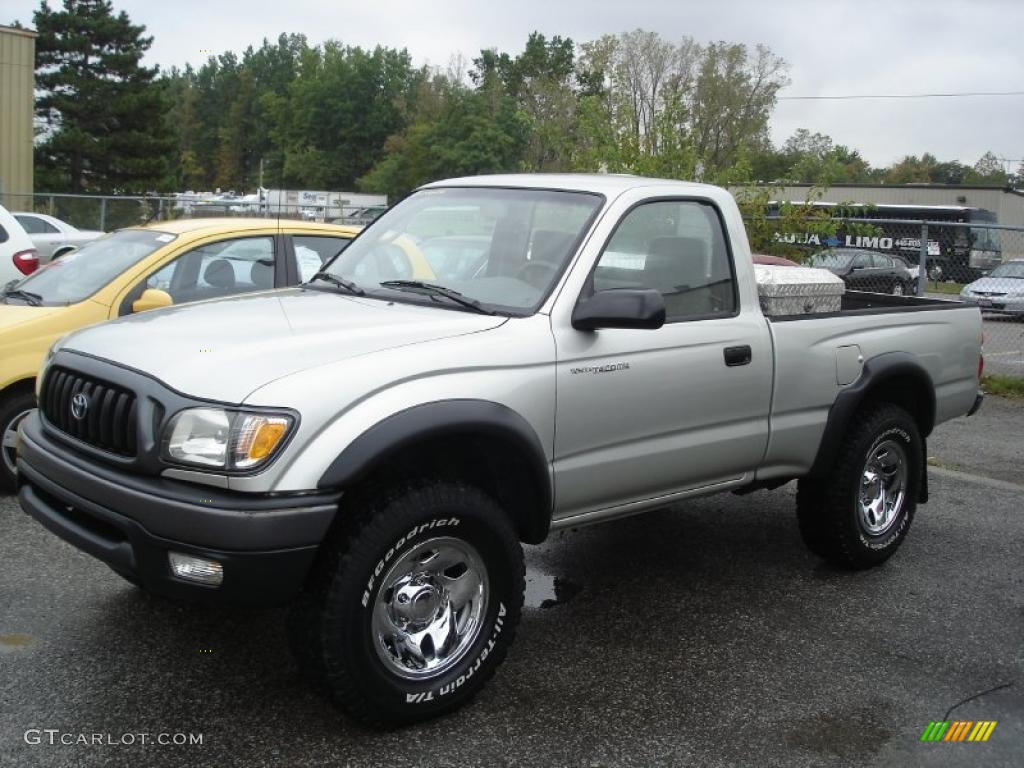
pixel 109 212
pixel 976 263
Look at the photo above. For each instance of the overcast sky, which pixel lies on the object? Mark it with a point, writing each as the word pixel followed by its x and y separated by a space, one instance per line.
pixel 832 47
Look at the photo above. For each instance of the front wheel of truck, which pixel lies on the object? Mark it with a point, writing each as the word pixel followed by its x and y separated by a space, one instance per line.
pixel 858 515
pixel 413 603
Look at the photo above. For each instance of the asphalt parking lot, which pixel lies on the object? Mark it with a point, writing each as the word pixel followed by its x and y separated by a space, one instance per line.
pixel 702 635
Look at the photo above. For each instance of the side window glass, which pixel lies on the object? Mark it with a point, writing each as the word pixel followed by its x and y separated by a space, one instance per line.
pixel 880 262
pixel 861 261
pixel 35 226
pixel 313 252
pixel 677 248
pixel 218 269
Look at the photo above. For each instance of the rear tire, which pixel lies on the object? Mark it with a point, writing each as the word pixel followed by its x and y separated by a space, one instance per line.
pixel 858 516
pixel 413 602
pixel 13 409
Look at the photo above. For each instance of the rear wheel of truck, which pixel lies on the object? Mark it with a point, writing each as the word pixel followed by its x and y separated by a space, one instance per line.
pixel 859 515
pixel 413 603
pixel 12 410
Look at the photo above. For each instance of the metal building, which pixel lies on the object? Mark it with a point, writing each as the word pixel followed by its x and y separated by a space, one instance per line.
pixel 1007 204
pixel 17 78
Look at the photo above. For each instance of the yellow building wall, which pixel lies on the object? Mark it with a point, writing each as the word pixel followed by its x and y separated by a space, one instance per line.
pixel 17 77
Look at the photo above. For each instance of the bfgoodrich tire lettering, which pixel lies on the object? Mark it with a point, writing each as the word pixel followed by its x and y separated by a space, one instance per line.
pixel 347 629
pixel 860 514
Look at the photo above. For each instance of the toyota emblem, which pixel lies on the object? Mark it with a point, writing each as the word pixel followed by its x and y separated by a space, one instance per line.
pixel 79 406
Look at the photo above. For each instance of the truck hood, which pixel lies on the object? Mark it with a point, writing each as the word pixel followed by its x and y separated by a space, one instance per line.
pixel 223 350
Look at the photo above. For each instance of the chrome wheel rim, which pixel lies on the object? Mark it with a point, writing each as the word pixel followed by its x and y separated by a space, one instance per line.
pixel 8 447
pixel 429 608
pixel 897 289
pixel 883 487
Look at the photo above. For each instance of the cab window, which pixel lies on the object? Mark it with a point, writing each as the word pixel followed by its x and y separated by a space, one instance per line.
pixel 677 248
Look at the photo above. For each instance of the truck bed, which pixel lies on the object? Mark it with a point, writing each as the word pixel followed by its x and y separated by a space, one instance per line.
pixel 817 355
pixel 863 303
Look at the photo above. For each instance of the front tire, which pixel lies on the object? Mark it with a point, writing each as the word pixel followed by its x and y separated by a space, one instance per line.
pixel 859 515
pixel 12 410
pixel 413 604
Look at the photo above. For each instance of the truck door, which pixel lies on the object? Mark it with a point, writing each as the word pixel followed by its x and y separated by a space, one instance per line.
pixel 647 413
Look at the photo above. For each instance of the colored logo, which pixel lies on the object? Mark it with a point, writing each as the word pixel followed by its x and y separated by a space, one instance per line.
pixel 79 406
pixel 959 730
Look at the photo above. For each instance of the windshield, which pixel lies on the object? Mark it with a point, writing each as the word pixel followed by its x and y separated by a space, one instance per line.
pixel 832 259
pixel 984 239
pixel 503 248
pixel 78 275
pixel 1010 269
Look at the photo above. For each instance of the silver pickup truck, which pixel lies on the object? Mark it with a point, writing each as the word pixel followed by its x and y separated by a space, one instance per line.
pixel 493 359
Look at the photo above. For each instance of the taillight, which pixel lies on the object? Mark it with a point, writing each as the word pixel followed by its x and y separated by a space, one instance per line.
pixel 27 262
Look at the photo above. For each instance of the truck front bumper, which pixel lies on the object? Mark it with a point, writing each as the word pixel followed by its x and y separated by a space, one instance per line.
pixel 265 544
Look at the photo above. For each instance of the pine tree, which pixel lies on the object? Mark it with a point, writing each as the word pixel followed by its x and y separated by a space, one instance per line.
pixel 103 111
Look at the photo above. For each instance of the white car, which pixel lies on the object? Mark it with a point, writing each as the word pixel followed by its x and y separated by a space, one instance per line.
pixel 1000 291
pixel 52 237
pixel 17 253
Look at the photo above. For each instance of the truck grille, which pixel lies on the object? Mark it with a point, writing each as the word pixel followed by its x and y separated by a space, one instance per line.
pixel 88 409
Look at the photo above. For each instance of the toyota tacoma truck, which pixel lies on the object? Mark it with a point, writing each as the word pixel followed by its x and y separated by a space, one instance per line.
pixel 373 449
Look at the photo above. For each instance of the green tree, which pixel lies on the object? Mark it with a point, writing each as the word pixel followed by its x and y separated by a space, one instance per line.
pixel 988 170
pixel 102 110
pixel 457 131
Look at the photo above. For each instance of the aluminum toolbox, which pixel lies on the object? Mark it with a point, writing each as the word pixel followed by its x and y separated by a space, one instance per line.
pixel 797 290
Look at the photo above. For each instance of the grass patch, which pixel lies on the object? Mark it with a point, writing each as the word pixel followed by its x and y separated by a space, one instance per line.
pixel 934 287
pixel 1004 386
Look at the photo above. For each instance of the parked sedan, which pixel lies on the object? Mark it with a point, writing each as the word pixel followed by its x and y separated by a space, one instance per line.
pixel 52 237
pixel 866 270
pixel 138 269
pixel 1001 291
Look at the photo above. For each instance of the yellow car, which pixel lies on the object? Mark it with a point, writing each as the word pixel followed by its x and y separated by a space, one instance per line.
pixel 141 268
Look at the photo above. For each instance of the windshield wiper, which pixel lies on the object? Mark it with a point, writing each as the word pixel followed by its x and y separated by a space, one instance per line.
pixel 418 286
pixel 339 282
pixel 32 299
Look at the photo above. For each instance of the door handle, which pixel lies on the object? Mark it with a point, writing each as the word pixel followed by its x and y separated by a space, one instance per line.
pixel 738 355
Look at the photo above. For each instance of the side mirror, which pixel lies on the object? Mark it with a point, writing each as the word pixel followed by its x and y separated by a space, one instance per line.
pixel 152 298
pixel 620 308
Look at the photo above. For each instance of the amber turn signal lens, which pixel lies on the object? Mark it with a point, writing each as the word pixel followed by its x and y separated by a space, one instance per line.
pixel 266 439
pixel 258 436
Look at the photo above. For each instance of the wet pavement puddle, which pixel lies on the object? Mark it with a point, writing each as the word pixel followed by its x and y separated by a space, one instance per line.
pixel 545 591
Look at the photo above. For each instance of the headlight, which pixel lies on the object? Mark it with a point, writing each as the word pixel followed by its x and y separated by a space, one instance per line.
pixel 225 439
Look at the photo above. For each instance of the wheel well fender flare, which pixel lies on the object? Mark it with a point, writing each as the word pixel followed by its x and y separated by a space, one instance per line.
pixel 451 419
pixel 896 377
